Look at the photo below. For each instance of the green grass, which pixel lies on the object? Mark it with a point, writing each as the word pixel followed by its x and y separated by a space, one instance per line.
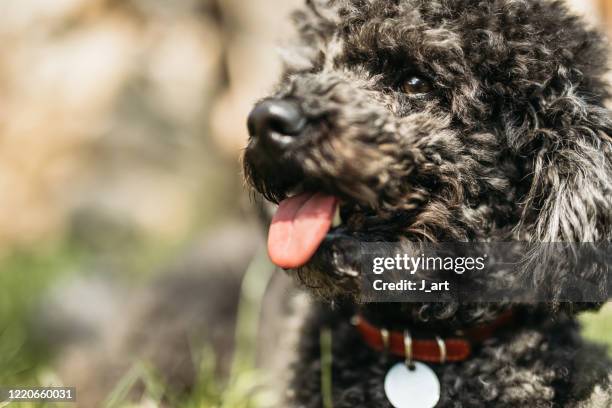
pixel 24 278
pixel 597 327
pixel 245 387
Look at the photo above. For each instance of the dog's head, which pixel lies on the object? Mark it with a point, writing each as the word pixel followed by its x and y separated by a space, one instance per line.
pixel 436 120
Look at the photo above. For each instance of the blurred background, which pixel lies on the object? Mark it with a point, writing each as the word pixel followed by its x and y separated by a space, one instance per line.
pixel 121 127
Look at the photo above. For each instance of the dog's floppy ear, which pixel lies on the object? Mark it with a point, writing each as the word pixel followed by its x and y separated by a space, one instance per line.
pixel 569 153
pixel 568 199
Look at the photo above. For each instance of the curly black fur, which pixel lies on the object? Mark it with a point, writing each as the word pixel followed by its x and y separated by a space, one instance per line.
pixel 512 143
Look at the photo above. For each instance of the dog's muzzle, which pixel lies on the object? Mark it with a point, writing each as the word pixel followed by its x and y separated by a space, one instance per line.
pixel 276 123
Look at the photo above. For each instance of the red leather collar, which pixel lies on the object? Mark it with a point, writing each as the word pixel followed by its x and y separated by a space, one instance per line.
pixel 430 350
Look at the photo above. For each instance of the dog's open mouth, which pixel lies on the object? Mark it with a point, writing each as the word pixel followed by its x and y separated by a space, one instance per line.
pixel 305 221
pixel 299 226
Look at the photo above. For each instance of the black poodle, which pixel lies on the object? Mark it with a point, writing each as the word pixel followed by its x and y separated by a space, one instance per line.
pixel 427 121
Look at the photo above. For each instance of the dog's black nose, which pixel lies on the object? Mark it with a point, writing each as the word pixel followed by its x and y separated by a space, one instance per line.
pixel 276 121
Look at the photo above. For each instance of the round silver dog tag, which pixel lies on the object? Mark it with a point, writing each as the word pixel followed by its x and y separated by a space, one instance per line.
pixel 418 388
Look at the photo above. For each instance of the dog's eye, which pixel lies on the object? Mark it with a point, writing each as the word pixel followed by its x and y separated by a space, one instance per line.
pixel 416 85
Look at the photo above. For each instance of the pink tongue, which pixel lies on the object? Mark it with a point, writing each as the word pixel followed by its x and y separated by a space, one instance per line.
pixel 298 228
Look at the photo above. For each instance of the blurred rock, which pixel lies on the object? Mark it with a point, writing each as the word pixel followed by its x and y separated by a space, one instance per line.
pixel 105 103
